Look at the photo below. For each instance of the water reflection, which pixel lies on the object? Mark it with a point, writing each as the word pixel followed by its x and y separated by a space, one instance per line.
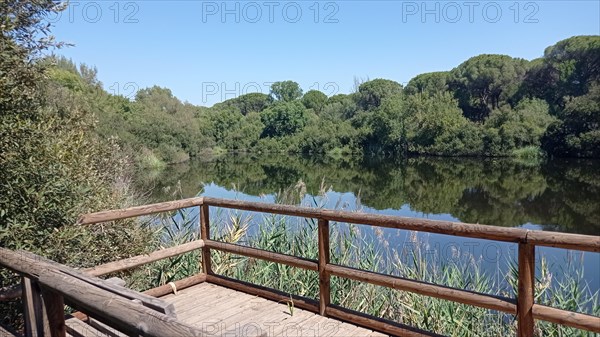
pixel 561 195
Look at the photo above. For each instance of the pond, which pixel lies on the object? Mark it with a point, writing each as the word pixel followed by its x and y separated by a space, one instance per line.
pixel 558 195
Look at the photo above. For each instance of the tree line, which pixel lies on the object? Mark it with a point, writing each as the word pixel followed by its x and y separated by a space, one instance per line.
pixel 490 105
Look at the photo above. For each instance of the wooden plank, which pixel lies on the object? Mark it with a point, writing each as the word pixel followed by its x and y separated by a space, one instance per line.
pixel 589 243
pixel 264 255
pixel 271 294
pixel 146 300
pixel 244 308
pixel 324 277
pixel 55 312
pixel 118 214
pixel 564 317
pixel 77 328
pixel 423 225
pixel 121 314
pixel 290 325
pixel 103 329
pixel 197 308
pixel 205 235
pixel 375 323
pixel 140 260
pixel 224 309
pixel 14 292
pixel 109 308
pixel 188 295
pixel 570 241
pixel 306 212
pixel 428 289
pixel 317 326
pixel 179 285
pixel 350 330
pixel 32 308
pixel 525 296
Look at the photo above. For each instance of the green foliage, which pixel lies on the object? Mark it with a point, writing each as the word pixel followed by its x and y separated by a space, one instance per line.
pixel 436 126
pixel 315 100
pixel 283 119
pixel 529 153
pixel 24 35
pixel 485 82
pixel 568 68
pixel 372 93
pixel 490 105
pixel 428 83
pixel 54 166
pixel 252 102
pixel 286 91
pixel 577 134
pixel 509 129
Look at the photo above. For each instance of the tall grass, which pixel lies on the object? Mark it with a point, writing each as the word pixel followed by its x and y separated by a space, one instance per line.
pixel 353 246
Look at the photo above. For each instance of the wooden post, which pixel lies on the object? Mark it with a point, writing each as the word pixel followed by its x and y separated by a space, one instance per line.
pixel 32 308
pixel 525 294
pixel 55 312
pixel 324 276
pixel 205 235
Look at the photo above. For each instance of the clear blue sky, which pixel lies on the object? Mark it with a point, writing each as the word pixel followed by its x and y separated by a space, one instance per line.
pixel 207 51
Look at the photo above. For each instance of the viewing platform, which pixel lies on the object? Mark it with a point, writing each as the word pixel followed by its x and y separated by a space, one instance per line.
pixel 209 304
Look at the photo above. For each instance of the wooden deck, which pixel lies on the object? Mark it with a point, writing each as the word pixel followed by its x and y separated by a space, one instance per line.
pixel 221 311
pixel 215 305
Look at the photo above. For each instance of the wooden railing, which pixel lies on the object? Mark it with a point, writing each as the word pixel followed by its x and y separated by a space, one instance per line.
pixel 47 286
pixel 523 307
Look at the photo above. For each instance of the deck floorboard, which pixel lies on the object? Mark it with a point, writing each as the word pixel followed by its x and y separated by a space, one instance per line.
pixel 225 312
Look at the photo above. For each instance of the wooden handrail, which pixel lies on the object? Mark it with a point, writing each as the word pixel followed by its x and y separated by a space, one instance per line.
pixel 289 260
pixel 518 235
pixel 136 261
pixel 432 290
pixel 136 211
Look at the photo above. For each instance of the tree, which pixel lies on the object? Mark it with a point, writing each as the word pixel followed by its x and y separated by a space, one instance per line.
pixel 516 128
pixel 252 102
pixel 485 82
pixel 283 119
pixel 158 98
pixel 286 91
pixel 577 134
pixel 435 125
pixel 567 69
pixel 428 84
pixel 314 99
pixel 24 35
pixel 372 93
pixel 382 129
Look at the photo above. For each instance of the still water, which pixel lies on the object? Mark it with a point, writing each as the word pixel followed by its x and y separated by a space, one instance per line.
pixel 560 195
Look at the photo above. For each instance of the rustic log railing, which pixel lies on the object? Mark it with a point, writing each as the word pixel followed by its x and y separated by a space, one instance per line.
pixel 523 307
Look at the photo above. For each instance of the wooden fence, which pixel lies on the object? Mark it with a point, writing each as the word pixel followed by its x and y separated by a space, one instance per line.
pixel 523 307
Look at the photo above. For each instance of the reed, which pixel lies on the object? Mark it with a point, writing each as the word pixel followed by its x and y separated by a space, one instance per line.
pixel 361 247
